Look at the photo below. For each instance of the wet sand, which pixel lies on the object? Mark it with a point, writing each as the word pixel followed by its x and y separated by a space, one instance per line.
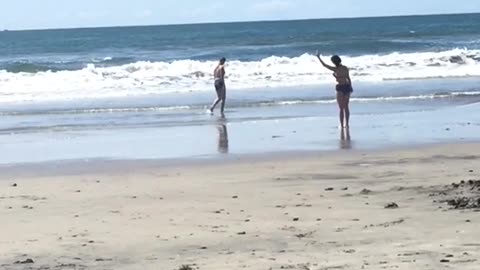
pixel 251 131
pixel 390 209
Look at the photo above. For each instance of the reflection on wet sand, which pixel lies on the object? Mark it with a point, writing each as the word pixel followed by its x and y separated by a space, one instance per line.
pixel 222 136
pixel 345 139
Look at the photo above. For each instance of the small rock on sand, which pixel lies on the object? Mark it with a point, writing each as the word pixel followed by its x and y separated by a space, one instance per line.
pixel 27 261
pixel 391 206
pixel 329 189
pixel 14 185
pixel 186 267
pixel 103 260
pixel 365 191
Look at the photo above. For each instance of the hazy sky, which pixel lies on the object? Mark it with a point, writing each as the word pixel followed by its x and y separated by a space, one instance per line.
pixel 34 14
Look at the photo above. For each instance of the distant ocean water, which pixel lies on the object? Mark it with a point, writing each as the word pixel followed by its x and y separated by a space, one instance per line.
pixel 121 62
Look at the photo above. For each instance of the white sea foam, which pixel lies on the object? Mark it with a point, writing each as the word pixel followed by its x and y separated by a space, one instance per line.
pixel 380 99
pixel 147 78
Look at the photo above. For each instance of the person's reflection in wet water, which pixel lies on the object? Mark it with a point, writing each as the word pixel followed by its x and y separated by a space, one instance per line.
pixel 345 139
pixel 222 136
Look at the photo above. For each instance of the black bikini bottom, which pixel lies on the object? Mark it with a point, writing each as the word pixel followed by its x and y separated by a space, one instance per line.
pixel 345 89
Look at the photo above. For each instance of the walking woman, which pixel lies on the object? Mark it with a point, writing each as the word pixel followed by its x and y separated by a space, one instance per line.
pixel 344 87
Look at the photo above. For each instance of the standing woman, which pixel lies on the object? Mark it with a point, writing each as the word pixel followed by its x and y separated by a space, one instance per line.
pixel 220 88
pixel 344 87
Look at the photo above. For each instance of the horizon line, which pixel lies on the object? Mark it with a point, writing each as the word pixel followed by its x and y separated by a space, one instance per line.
pixel 235 22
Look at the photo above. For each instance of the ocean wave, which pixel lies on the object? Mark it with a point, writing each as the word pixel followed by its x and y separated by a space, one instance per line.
pixel 110 78
pixel 35 66
pixel 376 99
pixel 22 67
pixel 109 61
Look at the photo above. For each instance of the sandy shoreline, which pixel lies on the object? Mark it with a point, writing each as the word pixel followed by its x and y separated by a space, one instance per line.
pixel 254 131
pixel 325 212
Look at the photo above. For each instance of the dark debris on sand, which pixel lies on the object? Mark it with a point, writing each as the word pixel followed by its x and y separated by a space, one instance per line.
pixel 463 195
pixel 27 261
pixel 464 203
pixel 186 267
pixel 391 206
pixel 365 192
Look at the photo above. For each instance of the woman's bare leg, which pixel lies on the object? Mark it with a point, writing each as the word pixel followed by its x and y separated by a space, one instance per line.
pixel 223 98
pixel 347 110
pixel 340 107
pixel 215 103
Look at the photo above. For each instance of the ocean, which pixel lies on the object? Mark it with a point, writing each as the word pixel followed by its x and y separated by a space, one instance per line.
pixel 57 84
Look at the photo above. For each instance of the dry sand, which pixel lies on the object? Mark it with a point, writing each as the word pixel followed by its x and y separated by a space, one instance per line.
pixel 325 212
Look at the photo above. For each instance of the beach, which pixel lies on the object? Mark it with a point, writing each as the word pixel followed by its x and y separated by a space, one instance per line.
pixel 110 160
pixel 384 209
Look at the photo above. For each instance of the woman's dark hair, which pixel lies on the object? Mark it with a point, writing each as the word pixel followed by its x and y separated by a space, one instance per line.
pixel 336 60
pixel 222 60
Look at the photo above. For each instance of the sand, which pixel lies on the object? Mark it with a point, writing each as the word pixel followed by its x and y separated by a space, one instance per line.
pixel 300 212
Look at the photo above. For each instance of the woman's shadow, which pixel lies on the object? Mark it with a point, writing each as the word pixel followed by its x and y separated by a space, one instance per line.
pixel 222 135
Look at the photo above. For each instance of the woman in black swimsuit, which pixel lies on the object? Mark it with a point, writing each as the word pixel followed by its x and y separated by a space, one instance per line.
pixel 344 87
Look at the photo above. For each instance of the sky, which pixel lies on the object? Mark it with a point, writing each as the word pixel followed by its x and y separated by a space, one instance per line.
pixel 42 14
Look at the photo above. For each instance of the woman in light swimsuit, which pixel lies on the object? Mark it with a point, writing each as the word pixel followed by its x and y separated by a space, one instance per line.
pixel 344 87
pixel 219 75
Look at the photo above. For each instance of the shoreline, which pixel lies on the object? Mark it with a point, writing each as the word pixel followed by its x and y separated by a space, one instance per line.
pixel 121 166
pixel 141 130
pixel 244 133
